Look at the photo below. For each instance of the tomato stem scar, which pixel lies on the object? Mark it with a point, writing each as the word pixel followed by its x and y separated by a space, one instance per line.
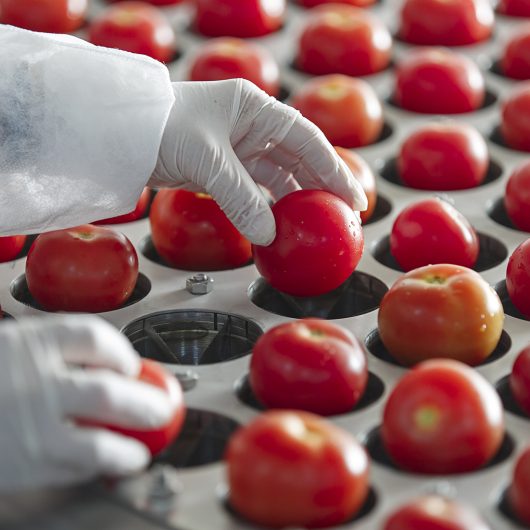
pixel 427 418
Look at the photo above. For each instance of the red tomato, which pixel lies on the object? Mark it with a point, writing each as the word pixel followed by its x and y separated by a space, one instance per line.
pixel 518 278
pixel 318 244
pixel 442 417
pixel 514 8
pixel 50 16
pixel 157 2
pixel 443 156
pixel 87 269
pixel 438 81
pixel 310 365
pixel 233 18
pixel 134 27
pixel 341 39
pixel 346 109
pixel 358 3
pixel 191 232
pixel 446 22
pixel 517 197
pixel 290 468
pixel 10 247
pixel 520 486
pixel 433 231
pixel 362 172
pixel 515 120
pixel 440 311
pixel 229 58
pixel 515 60
pixel 434 513
pixel 520 380
pixel 137 213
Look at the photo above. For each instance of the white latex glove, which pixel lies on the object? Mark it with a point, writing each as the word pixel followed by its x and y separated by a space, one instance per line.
pixel 58 368
pixel 225 137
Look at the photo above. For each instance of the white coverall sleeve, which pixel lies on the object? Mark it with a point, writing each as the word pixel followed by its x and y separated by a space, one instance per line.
pixel 80 130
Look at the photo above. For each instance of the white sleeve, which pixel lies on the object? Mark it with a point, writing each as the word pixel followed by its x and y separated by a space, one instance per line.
pixel 80 129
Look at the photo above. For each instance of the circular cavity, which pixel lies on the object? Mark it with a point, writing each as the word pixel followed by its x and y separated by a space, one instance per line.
pixel 508 401
pixel 382 208
pixel 507 304
pixel 497 212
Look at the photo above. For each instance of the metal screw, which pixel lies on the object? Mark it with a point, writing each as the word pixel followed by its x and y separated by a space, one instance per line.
pixel 199 284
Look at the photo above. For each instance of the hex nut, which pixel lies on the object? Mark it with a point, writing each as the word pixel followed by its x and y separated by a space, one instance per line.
pixel 199 284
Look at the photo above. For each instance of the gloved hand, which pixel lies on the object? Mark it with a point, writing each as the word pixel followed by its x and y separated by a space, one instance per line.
pixel 226 137
pixel 59 368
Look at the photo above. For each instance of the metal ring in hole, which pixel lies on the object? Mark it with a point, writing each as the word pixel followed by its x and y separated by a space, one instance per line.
pixel 359 294
pixel 497 212
pixel 508 401
pixel 382 208
pixel 507 304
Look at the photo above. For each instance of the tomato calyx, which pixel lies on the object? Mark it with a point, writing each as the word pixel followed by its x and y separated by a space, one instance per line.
pixel 427 418
pixel 85 236
pixel 305 432
pixel 333 91
pixel 435 280
pixel 126 17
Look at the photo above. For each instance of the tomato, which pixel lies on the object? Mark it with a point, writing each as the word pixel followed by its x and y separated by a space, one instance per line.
pixel 134 27
pixel 517 197
pixel 358 3
pixel 515 119
pixel 515 60
pixel 440 311
pixel 433 512
pixel 362 172
pixel 87 269
pixel 137 213
pixel 514 8
pixel 292 469
pixel 157 2
pixel 310 365
pixel 50 16
pixel 520 380
pixel 190 231
pixel 518 278
pixel 520 486
pixel 233 18
pixel 438 81
pixel 318 244
pixel 443 156
pixel 10 247
pixel 355 42
pixel 433 231
pixel 446 22
pixel 228 58
pixel 442 417
pixel 346 109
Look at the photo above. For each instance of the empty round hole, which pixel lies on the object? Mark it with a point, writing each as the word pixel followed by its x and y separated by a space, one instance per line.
pixel 192 337
pixel 20 291
pixel 359 294
pixel 508 401
pixel 507 304
pixel 497 212
pixel 382 208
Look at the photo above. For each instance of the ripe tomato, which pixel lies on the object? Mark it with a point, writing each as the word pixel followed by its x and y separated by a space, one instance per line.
pixel 433 231
pixel 191 232
pixel 10 247
pixel 318 244
pixel 50 16
pixel 87 269
pixel 289 468
pixel 442 417
pixel 517 197
pixel 515 60
pixel 229 58
pixel 438 81
pixel 520 486
pixel 358 3
pixel 356 43
pixel 362 172
pixel 137 213
pixel 233 18
pixel 440 311
pixel 433 512
pixel 446 22
pixel 515 120
pixel 514 8
pixel 443 156
pixel 134 27
pixel 520 380
pixel 518 278
pixel 346 109
pixel 310 365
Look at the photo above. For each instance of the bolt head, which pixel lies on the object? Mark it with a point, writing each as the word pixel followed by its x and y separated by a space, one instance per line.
pixel 199 284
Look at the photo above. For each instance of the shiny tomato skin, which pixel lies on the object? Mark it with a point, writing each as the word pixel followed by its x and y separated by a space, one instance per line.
pixel 229 58
pixel 433 231
pixel 514 8
pixel 443 156
pixel 520 486
pixel 310 365
pixel 137 213
pixel 87 269
pixel 515 118
pixel 135 27
pixel 347 110
pixel 357 3
pixel 318 244
pixel 341 39
pixel 233 18
pixel 446 22
pixel 49 16
pixel 440 311
pixel 515 60
pixel 10 247
pixel 518 278
pixel 362 172
pixel 520 380
pixel 433 512
pixel 442 417
pixel 517 197
pixel 438 81
pixel 190 231
pixel 267 459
